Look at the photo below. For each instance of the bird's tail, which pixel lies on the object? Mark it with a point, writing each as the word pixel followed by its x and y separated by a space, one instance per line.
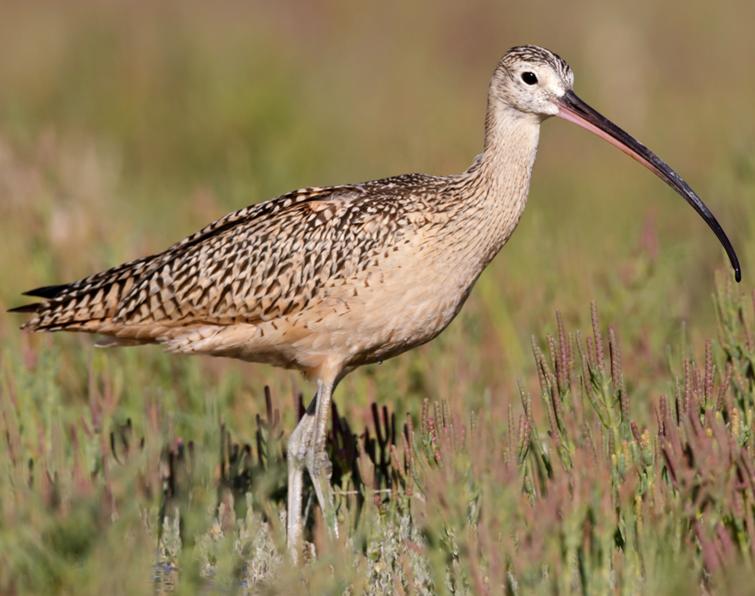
pixel 85 305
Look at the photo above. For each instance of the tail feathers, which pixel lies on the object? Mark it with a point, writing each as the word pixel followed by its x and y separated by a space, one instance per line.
pixel 27 308
pixel 48 292
pixel 84 310
pixel 84 305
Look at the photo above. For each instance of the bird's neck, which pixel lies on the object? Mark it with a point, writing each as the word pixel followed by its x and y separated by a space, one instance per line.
pixel 498 181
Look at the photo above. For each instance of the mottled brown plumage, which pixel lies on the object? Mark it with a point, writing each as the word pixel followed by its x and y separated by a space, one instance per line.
pixel 287 280
pixel 326 279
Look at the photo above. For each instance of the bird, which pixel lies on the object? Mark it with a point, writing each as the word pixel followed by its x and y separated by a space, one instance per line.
pixel 324 280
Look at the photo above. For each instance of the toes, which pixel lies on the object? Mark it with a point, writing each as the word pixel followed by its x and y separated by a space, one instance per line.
pixel 298 444
pixel 319 464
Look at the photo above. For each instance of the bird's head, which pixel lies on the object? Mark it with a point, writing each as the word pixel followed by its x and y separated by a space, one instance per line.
pixel 531 80
pixel 531 83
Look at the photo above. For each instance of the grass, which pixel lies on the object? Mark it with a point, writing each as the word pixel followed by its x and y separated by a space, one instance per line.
pixel 520 452
pixel 575 488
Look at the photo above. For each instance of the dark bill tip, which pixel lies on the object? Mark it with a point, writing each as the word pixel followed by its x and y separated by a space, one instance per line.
pixel 573 109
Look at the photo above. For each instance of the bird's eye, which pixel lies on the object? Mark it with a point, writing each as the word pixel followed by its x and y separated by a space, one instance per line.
pixel 529 77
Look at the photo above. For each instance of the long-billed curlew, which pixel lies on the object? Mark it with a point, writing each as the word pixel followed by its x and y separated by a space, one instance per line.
pixel 324 280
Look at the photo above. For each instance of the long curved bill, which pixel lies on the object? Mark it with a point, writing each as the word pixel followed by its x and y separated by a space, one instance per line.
pixel 573 109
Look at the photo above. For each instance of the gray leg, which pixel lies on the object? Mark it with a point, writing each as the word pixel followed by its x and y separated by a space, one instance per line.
pixel 297 451
pixel 306 448
pixel 317 462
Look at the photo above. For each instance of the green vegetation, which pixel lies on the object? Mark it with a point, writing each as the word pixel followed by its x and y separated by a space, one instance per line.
pixel 520 451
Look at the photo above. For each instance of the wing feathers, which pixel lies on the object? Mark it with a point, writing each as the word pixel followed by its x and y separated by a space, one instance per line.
pixel 258 263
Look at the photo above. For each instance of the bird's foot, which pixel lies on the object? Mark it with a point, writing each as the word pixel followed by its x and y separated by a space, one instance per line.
pixel 320 470
pixel 297 449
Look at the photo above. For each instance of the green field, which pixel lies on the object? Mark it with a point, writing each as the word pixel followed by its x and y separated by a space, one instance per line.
pixel 584 426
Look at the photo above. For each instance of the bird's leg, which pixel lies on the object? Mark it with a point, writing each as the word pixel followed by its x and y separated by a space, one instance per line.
pixel 317 461
pixel 298 444
pixel 306 448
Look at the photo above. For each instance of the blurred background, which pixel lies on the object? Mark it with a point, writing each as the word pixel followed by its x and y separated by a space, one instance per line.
pixel 125 126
